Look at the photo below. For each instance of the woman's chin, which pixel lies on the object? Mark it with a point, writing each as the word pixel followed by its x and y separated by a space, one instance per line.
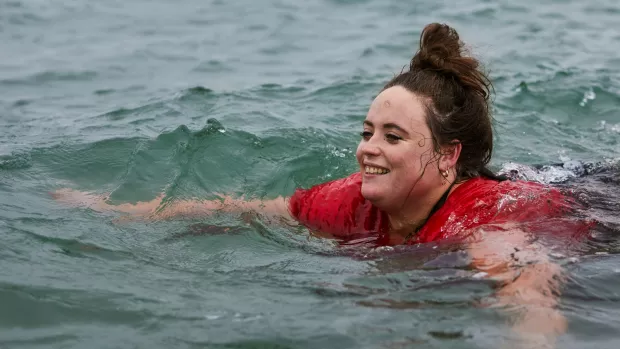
pixel 371 194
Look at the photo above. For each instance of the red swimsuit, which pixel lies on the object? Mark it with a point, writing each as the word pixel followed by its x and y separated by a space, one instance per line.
pixel 338 208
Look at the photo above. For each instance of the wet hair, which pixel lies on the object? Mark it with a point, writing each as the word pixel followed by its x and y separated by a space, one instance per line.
pixel 456 97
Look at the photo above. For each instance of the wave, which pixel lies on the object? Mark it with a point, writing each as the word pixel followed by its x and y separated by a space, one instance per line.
pixel 15 161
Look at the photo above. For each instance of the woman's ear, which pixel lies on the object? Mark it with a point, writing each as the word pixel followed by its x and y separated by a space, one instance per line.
pixel 450 155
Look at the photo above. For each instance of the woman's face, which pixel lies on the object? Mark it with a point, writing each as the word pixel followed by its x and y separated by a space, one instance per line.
pixel 395 154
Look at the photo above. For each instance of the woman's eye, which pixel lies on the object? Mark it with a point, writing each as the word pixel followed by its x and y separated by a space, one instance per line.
pixel 366 135
pixel 392 138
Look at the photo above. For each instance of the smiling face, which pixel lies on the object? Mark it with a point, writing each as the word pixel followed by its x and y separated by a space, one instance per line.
pixel 396 156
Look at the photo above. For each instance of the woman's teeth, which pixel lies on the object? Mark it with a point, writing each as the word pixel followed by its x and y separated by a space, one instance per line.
pixel 375 170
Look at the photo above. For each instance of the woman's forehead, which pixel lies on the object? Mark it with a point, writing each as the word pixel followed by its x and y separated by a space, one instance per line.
pixel 397 105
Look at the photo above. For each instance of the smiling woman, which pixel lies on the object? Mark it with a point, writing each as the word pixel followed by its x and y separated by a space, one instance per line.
pixel 425 145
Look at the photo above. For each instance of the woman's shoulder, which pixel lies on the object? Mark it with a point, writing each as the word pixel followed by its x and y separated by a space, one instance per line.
pixel 481 187
pixel 336 207
pixel 349 185
pixel 508 196
pixel 480 201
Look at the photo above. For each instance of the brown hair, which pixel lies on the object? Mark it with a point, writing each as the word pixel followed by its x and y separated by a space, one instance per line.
pixel 457 95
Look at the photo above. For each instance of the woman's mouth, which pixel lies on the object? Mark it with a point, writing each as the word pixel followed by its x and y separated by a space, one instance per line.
pixel 375 170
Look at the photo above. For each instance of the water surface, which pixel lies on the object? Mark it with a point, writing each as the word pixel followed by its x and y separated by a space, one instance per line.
pixel 257 98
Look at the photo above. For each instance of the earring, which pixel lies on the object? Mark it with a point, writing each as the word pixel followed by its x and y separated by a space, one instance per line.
pixel 445 173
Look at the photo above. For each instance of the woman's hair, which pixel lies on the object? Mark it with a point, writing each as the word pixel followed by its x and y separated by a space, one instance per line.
pixel 456 94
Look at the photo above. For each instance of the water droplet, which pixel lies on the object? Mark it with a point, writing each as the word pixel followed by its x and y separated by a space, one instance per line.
pixel 562 155
pixel 384 249
pixel 480 275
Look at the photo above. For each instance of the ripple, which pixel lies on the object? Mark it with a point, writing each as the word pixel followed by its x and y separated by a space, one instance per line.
pixel 244 344
pixel 349 2
pixel 48 306
pixel 159 108
pixel 197 92
pixel 51 77
pixel 213 65
pixel 15 13
pixel 109 91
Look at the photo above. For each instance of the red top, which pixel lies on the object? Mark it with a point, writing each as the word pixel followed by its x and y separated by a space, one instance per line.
pixel 338 208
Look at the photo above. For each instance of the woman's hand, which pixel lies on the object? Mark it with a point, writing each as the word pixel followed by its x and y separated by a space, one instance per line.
pixel 530 284
pixel 98 202
pixel 75 198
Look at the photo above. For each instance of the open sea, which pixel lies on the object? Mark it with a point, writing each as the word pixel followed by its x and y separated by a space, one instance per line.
pixel 256 98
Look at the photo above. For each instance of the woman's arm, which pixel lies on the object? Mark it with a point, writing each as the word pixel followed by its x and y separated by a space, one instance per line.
pixel 529 284
pixel 156 209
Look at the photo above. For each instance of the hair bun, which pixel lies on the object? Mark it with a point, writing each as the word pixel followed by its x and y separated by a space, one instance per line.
pixel 438 44
pixel 441 50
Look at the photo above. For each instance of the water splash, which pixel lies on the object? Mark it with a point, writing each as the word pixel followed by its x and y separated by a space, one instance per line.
pixel 15 161
pixel 341 153
pixel 589 95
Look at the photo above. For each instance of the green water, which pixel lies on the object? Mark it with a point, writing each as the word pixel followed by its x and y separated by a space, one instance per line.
pixel 257 98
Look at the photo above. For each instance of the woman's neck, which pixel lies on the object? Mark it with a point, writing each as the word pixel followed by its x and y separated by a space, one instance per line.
pixel 410 219
pixel 412 216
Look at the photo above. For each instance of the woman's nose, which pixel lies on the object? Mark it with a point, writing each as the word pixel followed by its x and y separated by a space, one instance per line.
pixel 370 147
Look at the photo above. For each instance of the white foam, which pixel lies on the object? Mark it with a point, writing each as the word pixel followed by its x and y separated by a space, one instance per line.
pixel 546 174
pixel 589 95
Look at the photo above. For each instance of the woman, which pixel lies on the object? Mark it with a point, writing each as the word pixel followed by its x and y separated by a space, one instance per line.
pixel 425 145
